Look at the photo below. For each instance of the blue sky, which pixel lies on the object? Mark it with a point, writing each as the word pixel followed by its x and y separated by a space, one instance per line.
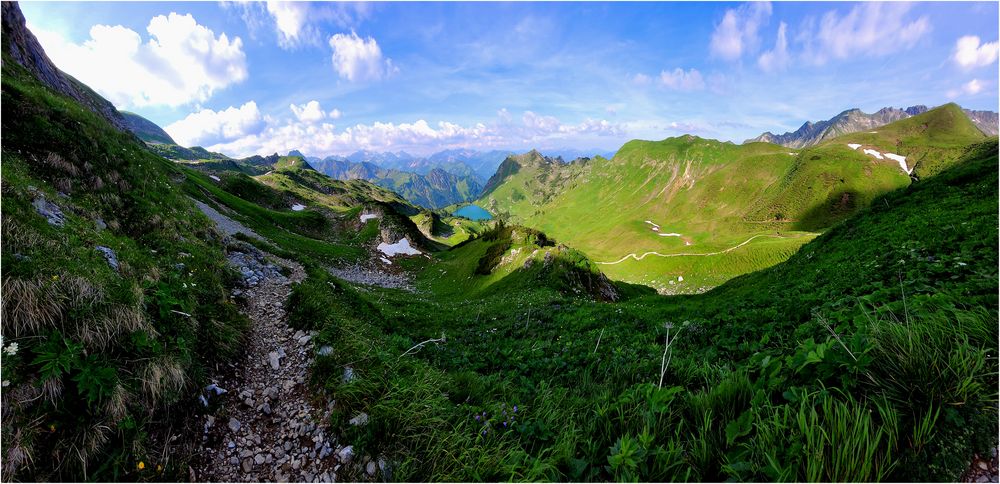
pixel 331 78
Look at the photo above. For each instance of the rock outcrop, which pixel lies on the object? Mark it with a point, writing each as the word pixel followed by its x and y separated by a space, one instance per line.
pixel 26 51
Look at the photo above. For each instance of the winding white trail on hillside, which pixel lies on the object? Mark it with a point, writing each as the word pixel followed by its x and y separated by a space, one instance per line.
pixel 643 256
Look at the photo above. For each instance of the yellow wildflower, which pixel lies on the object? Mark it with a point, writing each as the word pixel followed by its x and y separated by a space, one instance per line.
pixel 142 465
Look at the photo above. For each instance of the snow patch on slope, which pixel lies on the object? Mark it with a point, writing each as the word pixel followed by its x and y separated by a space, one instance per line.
pixel 874 153
pixel 368 216
pixel 901 160
pixel 401 247
pixel 853 146
pixel 298 207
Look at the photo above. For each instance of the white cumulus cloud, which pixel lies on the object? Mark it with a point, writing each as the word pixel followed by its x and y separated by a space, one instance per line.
pixel 357 59
pixel 208 127
pixel 867 30
pixel 969 53
pixel 311 112
pixel 180 63
pixel 737 33
pixel 290 21
pixel 245 131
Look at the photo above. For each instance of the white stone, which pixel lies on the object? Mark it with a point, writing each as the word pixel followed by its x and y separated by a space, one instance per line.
pixel 346 454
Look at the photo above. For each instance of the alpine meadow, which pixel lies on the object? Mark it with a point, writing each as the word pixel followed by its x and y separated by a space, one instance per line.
pixel 483 242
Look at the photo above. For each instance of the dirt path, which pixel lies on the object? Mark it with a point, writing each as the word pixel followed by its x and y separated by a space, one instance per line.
pixel 225 224
pixel 745 242
pixel 263 425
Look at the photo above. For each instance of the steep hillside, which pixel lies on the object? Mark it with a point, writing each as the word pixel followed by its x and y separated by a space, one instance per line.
pixel 930 142
pixel 687 213
pixel 795 370
pixel 854 121
pixel 146 130
pixel 115 289
pixel 22 47
pixel 531 177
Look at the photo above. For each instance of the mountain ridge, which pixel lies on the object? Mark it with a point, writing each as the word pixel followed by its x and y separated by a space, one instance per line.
pixel 855 120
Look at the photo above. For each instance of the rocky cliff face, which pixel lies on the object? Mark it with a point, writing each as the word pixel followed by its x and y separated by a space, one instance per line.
pixel 26 51
pixel 854 120
pixel 986 121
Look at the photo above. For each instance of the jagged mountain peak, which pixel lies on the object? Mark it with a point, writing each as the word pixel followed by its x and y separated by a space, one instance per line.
pixel 855 120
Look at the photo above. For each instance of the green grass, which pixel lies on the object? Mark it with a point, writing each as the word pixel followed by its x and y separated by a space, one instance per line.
pixel 757 386
pixel 716 195
pixel 869 354
pixel 106 359
pixel 931 142
pixel 307 232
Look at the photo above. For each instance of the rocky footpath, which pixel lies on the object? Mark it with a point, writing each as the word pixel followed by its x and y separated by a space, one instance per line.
pixel 983 468
pixel 372 275
pixel 263 423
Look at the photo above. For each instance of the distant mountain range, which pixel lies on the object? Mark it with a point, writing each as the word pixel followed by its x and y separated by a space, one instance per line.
pixel 433 188
pixel 855 120
pixel 435 181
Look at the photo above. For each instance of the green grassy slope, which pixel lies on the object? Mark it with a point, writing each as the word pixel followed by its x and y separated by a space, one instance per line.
pixel 101 353
pixel 791 373
pixel 146 130
pixel 716 196
pixel 931 141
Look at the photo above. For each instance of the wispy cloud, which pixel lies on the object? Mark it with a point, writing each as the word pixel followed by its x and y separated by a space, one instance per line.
pixel 681 80
pixel 777 58
pixel 867 30
pixel 299 23
pixel 738 32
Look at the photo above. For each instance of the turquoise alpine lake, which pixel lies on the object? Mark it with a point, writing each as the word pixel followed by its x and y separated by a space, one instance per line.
pixel 473 212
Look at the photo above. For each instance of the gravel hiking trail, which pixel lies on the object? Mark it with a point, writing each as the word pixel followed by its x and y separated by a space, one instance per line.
pixel 262 422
